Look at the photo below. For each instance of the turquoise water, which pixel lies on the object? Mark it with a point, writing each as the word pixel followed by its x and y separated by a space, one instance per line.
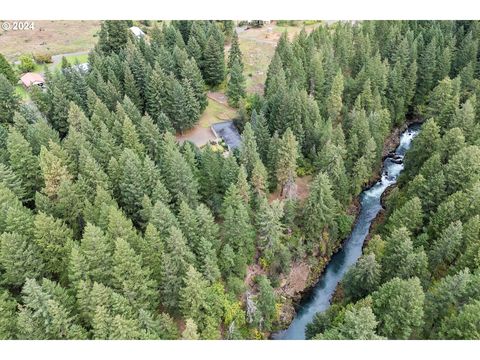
pixel 370 199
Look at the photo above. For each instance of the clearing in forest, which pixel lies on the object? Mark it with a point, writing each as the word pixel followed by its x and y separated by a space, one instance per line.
pixel 216 111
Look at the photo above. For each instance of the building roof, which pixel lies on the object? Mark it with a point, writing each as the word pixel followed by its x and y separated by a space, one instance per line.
pixel 137 31
pixel 31 78
pixel 229 133
pixel 82 67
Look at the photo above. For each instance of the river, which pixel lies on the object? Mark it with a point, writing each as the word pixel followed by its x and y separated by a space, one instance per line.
pixel 319 298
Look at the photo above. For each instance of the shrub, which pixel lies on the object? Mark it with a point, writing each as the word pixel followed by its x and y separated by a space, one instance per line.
pixel 287 23
pixel 26 64
pixel 43 58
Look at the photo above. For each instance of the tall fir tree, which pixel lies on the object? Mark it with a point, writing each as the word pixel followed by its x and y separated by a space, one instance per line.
pixel 286 166
pixel 6 70
pixel 214 62
pixel 236 84
pixel 9 101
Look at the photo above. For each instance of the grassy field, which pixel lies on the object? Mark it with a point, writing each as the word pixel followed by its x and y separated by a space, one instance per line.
pixel 216 112
pixel 50 36
pixel 258 47
pixel 72 59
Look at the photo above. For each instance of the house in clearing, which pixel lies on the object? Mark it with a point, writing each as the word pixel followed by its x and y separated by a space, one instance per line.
pixel 228 132
pixel 31 78
pixel 137 32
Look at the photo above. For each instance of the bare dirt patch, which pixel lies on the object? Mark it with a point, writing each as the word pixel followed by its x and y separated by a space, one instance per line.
pixel 303 189
pixel 198 135
pixel 253 271
pixel 216 111
pixel 50 36
pixel 295 281
pixel 218 97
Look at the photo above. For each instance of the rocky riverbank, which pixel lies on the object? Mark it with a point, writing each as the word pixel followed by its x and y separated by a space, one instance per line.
pixel 304 275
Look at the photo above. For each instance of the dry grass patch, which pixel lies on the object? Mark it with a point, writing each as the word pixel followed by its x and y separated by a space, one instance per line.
pixel 50 36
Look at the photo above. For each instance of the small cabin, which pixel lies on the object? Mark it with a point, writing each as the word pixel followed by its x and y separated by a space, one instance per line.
pixel 137 32
pixel 31 78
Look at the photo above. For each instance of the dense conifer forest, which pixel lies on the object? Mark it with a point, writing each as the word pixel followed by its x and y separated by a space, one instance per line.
pixel 111 229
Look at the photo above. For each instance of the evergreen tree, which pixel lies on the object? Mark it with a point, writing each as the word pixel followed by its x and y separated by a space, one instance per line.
pixel 452 142
pixel 400 259
pixel 131 278
pixel 287 164
pixel 162 218
pixel 58 114
pixel 191 72
pixel 92 260
pixel 45 317
pixel 113 35
pixel 131 88
pixel 463 169
pixel 54 240
pixel 446 297
pixel 8 318
pixel 130 138
pixel 319 214
pixel 465 118
pixel 6 70
pixel 19 259
pixel 266 303
pixel 131 184
pixel 10 180
pixel 248 150
pixel 259 178
pixel 23 162
pixel 398 306
pixel 443 102
pixel 409 216
pixel 192 107
pixel 358 324
pixel 213 62
pixel 155 93
pixel 447 248
pixel 236 85
pixel 9 101
pixel 330 161
pixel 471 231
pixel 334 99
pixel 189 227
pixel 463 325
pixel 262 134
pixel 424 145
pixel 176 261
pixel 54 172
pixel 193 296
pixel 362 279
pixel 237 229
pixel 235 54
pixel 270 228
pixel 179 178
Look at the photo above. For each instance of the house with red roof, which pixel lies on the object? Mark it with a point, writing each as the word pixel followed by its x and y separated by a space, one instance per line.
pixel 31 78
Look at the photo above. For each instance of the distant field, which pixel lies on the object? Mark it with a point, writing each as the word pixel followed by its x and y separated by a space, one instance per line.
pixel 50 36
pixel 258 47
